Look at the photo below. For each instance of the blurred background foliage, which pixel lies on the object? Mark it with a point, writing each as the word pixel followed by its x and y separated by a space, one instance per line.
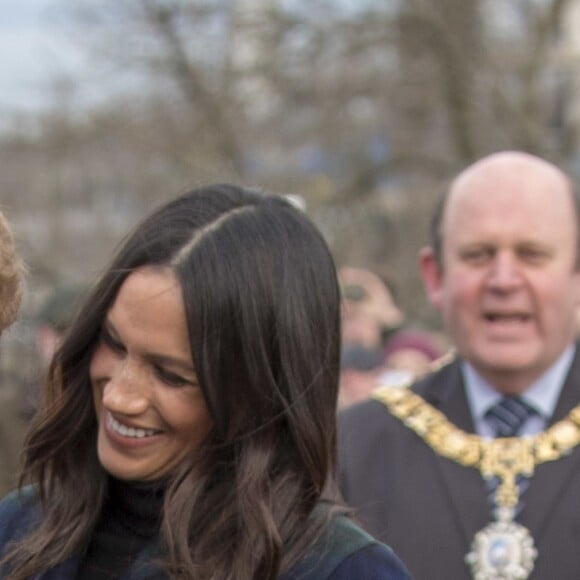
pixel 365 108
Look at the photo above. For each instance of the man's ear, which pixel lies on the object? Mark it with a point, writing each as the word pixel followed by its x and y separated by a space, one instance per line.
pixel 432 276
pixel 576 282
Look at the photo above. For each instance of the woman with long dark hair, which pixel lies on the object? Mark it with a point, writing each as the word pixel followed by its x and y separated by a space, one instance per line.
pixel 188 424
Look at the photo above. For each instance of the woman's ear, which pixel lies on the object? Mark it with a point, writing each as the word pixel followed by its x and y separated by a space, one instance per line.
pixel 432 275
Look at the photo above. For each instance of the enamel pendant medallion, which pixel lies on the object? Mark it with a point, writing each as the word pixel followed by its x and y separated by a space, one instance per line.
pixel 503 550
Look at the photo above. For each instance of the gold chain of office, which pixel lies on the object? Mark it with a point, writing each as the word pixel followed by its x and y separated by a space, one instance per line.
pixel 505 457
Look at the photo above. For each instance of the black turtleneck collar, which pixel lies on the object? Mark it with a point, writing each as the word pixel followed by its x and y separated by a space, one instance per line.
pixel 134 506
pixel 130 520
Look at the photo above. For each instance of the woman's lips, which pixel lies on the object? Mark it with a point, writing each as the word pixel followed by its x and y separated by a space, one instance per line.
pixel 129 436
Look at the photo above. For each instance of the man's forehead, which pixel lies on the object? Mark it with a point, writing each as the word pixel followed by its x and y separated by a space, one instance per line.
pixel 511 185
pixel 511 201
pixel 509 162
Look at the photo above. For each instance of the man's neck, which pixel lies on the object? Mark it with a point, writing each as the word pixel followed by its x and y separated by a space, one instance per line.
pixel 542 394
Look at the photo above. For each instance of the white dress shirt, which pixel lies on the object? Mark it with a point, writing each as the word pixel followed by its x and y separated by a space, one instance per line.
pixel 542 395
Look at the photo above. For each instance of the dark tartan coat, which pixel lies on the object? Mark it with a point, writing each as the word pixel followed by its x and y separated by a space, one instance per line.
pixel 344 552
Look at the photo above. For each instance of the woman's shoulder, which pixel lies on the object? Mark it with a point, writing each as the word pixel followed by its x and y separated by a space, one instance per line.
pixel 23 499
pixel 375 561
pixel 345 551
pixel 18 513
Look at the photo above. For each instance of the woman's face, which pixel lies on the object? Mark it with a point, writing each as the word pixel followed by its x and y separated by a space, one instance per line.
pixel 150 408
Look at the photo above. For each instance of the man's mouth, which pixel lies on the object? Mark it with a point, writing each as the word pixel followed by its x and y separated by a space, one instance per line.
pixel 507 317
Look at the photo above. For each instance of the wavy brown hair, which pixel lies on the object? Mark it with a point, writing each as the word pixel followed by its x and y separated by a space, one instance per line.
pixel 11 276
pixel 262 307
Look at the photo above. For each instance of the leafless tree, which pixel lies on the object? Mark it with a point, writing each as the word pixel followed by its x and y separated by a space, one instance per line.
pixel 365 108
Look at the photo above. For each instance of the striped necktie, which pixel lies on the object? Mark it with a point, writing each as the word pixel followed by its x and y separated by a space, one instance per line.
pixel 506 419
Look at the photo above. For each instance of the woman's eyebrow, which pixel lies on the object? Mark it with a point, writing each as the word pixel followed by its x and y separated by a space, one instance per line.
pixel 162 359
pixel 110 328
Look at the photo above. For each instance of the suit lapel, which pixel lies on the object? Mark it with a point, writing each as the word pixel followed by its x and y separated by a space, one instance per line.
pixel 551 479
pixel 463 487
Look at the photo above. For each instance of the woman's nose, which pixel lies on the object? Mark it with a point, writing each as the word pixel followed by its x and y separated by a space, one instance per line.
pixel 126 391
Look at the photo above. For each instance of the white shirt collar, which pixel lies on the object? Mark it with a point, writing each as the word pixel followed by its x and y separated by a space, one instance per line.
pixel 542 394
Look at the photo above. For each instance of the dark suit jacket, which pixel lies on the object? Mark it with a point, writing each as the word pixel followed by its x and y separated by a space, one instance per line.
pixel 429 508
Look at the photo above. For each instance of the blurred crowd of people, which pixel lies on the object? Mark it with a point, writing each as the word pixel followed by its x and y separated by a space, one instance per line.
pixel 379 345
pixel 20 392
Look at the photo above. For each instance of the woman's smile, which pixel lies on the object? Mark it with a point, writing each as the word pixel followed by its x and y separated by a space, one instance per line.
pixel 123 436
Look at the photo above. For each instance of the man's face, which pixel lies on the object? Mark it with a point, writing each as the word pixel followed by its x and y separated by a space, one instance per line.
pixel 508 290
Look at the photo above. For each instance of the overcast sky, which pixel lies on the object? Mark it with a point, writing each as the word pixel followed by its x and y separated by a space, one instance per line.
pixel 33 49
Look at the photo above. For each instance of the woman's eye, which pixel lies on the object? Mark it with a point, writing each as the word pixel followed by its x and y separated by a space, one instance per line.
pixel 111 343
pixel 170 378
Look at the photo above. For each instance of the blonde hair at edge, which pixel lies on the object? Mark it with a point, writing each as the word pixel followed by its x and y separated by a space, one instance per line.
pixel 11 276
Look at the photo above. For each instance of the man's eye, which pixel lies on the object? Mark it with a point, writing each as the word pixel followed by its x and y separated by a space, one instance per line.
pixel 476 255
pixel 533 254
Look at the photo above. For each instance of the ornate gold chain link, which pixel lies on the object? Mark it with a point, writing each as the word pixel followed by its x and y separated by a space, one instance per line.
pixel 505 458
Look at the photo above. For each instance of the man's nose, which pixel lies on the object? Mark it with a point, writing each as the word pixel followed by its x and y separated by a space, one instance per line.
pixel 505 272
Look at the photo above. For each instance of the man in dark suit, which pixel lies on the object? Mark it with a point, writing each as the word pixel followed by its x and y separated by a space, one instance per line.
pixel 423 473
